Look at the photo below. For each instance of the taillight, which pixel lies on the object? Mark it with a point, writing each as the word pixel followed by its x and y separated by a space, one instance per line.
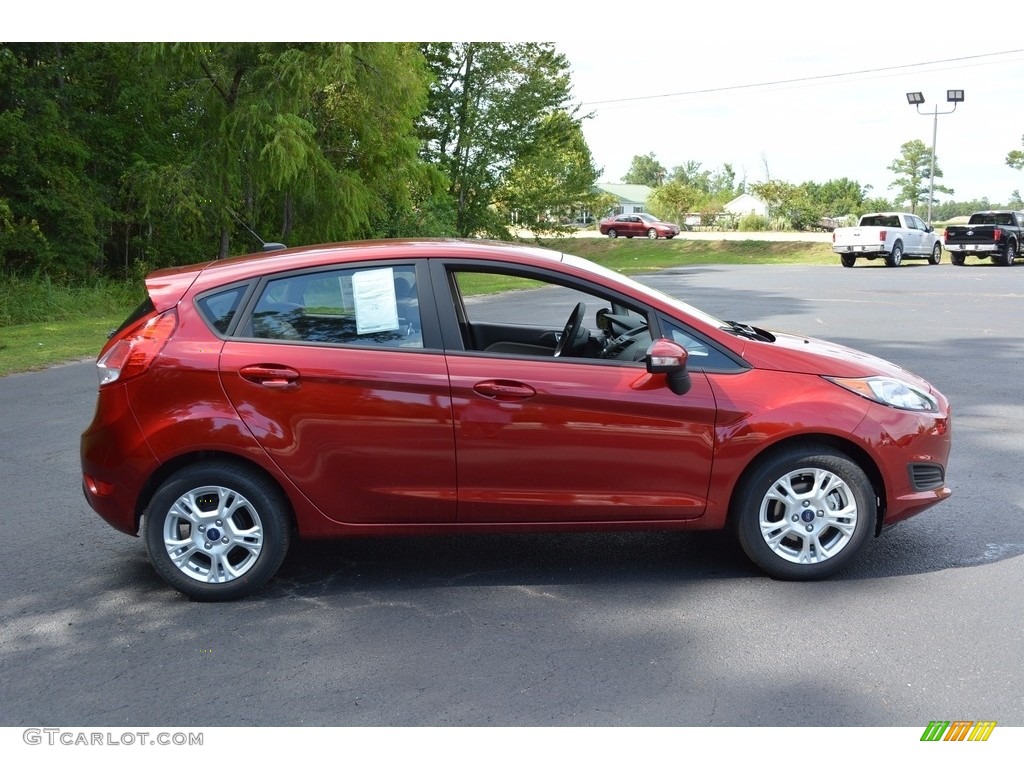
pixel 945 234
pixel 881 235
pixel 997 234
pixel 133 354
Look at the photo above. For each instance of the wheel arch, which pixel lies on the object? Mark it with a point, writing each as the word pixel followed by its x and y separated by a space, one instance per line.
pixel 814 442
pixel 178 463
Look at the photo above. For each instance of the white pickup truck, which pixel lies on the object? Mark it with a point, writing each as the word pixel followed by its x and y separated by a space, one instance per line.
pixel 891 236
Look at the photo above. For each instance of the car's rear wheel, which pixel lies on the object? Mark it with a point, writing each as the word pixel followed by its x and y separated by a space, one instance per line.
pixel 895 257
pixel 804 513
pixel 958 259
pixel 848 261
pixel 936 257
pixel 612 234
pixel 1009 254
pixel 217 531
pixel 652 233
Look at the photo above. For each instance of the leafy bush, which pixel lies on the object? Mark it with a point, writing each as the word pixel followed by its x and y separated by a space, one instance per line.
pixel 752 222
pixel 31 300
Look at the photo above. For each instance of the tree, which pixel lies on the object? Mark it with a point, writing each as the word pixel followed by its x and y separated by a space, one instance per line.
pixel 64 142
pixel 117 153
pixel 836 197
pixel 790 203
pixel 303 142
pixel 489 106
pixel 717 186
pixel 645 169
pixel 1015 158
pixel 673 201
pixel 913 169
pixel 555 176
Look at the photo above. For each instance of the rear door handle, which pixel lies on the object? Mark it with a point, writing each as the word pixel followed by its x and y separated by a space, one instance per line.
pixel 271 376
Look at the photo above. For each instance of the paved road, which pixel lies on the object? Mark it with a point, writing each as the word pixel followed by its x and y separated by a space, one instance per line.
pixel 644 629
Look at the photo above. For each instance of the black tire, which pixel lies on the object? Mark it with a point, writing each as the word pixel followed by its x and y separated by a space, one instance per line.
pixel 652 234
pixel 613 234
pixel 936 257
pixel 1009 254
pixel 848 261
pixel 895 257
pixel 797 488
pixel 232 527
pixel 958 259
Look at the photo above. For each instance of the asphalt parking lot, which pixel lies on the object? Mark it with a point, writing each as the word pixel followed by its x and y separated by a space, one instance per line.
pixel 556 630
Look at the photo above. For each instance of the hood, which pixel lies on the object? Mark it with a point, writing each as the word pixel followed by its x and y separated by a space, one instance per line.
pixel 801 354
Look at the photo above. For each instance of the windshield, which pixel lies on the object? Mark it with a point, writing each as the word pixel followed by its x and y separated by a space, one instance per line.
pixel 648 217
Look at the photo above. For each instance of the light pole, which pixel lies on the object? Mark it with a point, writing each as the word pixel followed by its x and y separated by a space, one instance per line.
pixel 917 99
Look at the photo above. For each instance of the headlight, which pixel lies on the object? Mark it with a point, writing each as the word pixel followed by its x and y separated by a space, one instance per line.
pixel 889 391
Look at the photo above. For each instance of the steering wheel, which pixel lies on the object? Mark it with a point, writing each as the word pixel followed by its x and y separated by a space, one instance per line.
pixel 571 330
pixel 621 343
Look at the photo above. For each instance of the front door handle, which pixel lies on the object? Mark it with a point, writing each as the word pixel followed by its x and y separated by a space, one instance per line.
pixel 503 389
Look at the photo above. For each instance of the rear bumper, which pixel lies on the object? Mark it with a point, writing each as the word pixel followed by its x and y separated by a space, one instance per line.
pixel 114 456
pixel 974 247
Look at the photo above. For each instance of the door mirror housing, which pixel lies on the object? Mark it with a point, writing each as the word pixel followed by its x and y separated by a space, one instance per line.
pixel 667 357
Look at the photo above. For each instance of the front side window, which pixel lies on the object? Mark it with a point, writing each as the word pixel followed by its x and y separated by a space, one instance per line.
pixel 371 306
pixel 529 315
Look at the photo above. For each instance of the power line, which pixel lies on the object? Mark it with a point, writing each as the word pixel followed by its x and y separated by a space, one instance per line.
pixel 795 80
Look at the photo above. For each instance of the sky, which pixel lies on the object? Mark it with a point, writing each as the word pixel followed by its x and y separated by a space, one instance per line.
pixel 806 110
pixel 794 92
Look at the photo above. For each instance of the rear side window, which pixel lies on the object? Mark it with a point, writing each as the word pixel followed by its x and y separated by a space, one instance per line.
pixel 219 308
pixel 372 306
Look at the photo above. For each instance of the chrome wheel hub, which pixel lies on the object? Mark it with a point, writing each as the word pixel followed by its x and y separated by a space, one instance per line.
pixel 213 534
pixel 808 515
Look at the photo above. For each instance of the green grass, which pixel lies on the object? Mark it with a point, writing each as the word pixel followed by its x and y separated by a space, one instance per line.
pixel 78 319
pixel 637 256
pixel 33 346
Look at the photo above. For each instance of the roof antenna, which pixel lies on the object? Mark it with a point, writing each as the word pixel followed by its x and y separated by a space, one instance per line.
pixel 266 246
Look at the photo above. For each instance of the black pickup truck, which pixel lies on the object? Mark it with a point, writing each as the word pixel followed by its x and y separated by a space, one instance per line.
pixel 995 234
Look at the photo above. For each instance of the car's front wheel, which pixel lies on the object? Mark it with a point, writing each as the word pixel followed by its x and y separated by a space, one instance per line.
pixel 217 531
pixel 804 513
pixel 936 257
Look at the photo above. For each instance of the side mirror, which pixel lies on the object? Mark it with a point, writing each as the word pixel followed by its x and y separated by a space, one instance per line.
pixel 664 356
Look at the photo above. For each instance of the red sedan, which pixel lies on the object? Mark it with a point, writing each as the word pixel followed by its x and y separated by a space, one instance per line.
pixel 638 225
pixel 386 387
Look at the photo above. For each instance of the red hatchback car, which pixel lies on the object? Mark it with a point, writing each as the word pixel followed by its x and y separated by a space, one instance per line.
pixel 400 387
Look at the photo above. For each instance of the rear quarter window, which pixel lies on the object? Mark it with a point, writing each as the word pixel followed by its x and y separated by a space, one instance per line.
pixel 218 309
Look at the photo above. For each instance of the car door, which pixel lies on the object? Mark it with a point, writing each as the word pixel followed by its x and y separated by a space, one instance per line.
pixel 916 236
pixel 573 439
pixel 339 376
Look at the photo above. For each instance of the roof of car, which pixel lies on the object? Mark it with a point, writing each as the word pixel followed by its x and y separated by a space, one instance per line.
pixel 170 283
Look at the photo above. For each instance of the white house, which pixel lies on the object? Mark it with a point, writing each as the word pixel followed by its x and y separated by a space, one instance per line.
pixel 630 198
pixel 746 204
